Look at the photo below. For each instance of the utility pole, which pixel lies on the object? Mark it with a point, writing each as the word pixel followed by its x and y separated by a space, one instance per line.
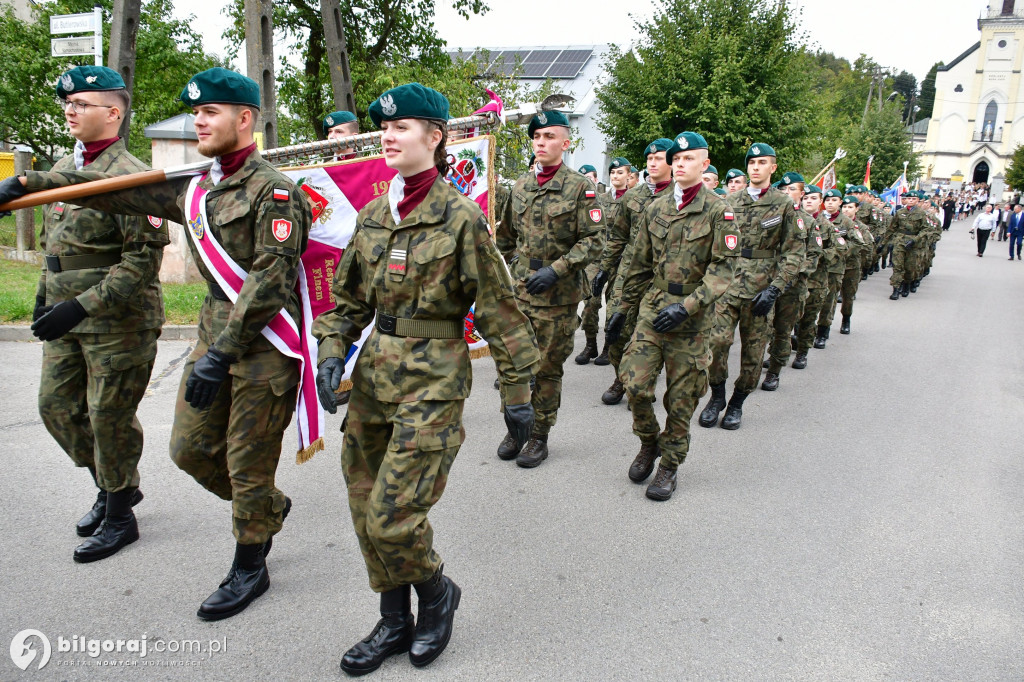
pixel 337 55
pixel 259 61
pixel 124 28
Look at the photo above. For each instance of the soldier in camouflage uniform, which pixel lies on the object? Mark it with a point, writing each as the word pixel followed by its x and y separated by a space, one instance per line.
pixel 99 309
pixel 817 281
pixel 550 231
pixel 932 234
pixel 710 178
pixel 681 263
pixel 771 255
pixel 854 234
pixel 790 305
pixel 618 174
pixel 622 235
pixel 418 260
pixel 238 392
pixel 735 181
pixel 841 225
pixel 906 228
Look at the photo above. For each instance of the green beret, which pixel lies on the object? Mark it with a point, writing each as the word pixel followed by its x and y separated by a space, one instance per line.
pixel 833 193
pixel 221 86
pixel 685 140
pixel 719 191
pixel 586 168
pixel 790 178
pixel 88 79
pixel 662 144
pixel 619 162
pixel 734 173
pixel 711 169
pixel 909 195
pixel 411 100
pixel 921 195
pixel 337 118
pixel 812 189
pixel 547 119
pixel 759 149
pixel 776 184
pixel 850 200
pixel 634 169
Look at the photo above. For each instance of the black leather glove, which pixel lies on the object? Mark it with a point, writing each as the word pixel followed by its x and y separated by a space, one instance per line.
pixel 542 280
pixel 58 320
pixel 597 286
pixel 907 244
pixel 41 308
pixel 763 302
pixel 613 329
pixel 670 317
pixel 208 373
pixel 519 421
pixel 10 189
pixel 328 378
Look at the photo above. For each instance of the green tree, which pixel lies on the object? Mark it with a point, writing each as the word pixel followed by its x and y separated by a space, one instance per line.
pixel 729 70
pixel 1015 171
pixel 169 53
pixel 906 84
pixel 926 100
pixel 882 136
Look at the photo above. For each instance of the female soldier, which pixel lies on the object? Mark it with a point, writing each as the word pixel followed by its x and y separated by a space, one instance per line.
pixel 419 258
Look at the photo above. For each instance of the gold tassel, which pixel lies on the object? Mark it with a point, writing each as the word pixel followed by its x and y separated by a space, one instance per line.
pixel 306 454
pixel 479 353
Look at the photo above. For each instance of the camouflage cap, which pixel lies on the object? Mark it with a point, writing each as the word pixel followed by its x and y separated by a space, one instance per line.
pixel 411 100
pixel 711 169
pixel 734 173
pixel 619 162
pixel 833 193
pixel 88 79
pixel 336 118
pixel 547 119
pixel 759 149
pixel 662 144
pixel 790 178
pixel 684 141
pixel 220 86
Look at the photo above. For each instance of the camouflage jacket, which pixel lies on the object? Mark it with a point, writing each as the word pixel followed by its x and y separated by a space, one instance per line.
pixel 767 226
pixel 695 247
pixel 560 225
pixel 824 237
pixel 932 231
pixel 907 224
pixel 501 197
pixel 850 230
pixel 840 225
pixel 450 262
pixel 868 215
pixel 867 251
pixel 812 249
pixel 622 233
pixel 124 297
pixel 242 208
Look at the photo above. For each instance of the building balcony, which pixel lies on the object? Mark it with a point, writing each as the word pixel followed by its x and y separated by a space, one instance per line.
pixel 982 136
pixel 1001 13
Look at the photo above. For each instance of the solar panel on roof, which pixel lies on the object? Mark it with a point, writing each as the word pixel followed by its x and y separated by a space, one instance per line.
pixel 569 63
pixel 504 62
pixel 536 64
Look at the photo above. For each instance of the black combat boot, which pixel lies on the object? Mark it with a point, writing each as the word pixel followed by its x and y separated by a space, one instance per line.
pixel 613 396
pixel 766 363
pixel 800 361
pixel 535 452
pixel 88 524
pixel 589 351
pixel 914 285
pixel 793 341
pixel 643 463
pixel 905 290
pixel 734 412
pixel 392 635
pixel 844 328
pixel 284 515
pixel 497 383
pixel 771 382
pixel 247 580
pixel 863 276
pixel 438 597
pixel 663 485
pixel 709 417
pixel 118 529
pixel 602 360
pixel 839 297
pixel 821 336
pixel 509 448
pixel 895 294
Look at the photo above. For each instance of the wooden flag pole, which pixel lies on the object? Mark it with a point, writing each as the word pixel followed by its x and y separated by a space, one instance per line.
pixel 840 154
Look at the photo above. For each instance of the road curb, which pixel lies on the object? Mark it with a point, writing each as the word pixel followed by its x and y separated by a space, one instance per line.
pixel 171 332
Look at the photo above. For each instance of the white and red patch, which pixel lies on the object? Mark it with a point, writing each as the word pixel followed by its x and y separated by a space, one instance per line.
pixel 590 194
pixel 800 223
pixel 728 215
pixel 282 229
pixel 841 240
pixel 282 194
pixel 731 241
pixel 817 238
pixel 595 215
pixel 157 223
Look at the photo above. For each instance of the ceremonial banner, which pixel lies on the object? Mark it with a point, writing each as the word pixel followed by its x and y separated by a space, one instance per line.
pixel 829 181
pixel 337 192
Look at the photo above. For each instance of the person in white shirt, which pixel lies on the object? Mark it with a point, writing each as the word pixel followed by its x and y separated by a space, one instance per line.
pixel 983 225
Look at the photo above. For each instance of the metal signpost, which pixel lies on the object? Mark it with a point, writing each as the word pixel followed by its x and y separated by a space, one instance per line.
pixel 78 23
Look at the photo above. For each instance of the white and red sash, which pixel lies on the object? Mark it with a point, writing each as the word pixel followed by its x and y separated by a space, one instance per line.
pixel 282 331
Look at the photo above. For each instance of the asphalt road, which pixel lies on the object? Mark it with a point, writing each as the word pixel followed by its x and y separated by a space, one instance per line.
pixel 865 523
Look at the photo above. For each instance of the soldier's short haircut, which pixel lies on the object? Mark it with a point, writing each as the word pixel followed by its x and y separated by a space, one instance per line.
pixel 121 99
pixel 255 113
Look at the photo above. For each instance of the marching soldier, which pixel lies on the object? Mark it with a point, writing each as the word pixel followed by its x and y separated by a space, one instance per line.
pixel 906 226
pixel 771 255
pixel 550 231
pixel 789 306
pixel 840 226
pixel 634 177
pixel 817 281
pixel 710 178
pixel 618 174
pixel 99 310
pixel 735 181
pixel 681 264
pixel 851 275
pixel 419 258
pixel 238 391
pixel 622 235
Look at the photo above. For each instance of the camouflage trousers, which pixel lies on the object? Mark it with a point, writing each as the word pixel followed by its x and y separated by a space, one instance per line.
pixel 555 329
pixel 232 448
pixel 396 458
pixel 902 261
pixel 730 312
pixel 816 298
pixel 851 282
pixel 89 392
pixel 686 358
pixel 789 308
pixel 828 307
pixel 592 306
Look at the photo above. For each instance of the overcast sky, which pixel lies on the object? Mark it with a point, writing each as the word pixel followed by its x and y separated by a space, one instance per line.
pixel 902 35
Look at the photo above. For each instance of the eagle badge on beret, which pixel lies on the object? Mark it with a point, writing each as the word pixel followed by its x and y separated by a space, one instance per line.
pixel 193 90
pixel 651 149
pixel 330 121
pixel 67 83
pixel 387 105
pixel 755 149
pixel 681 141
pixel 543 119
